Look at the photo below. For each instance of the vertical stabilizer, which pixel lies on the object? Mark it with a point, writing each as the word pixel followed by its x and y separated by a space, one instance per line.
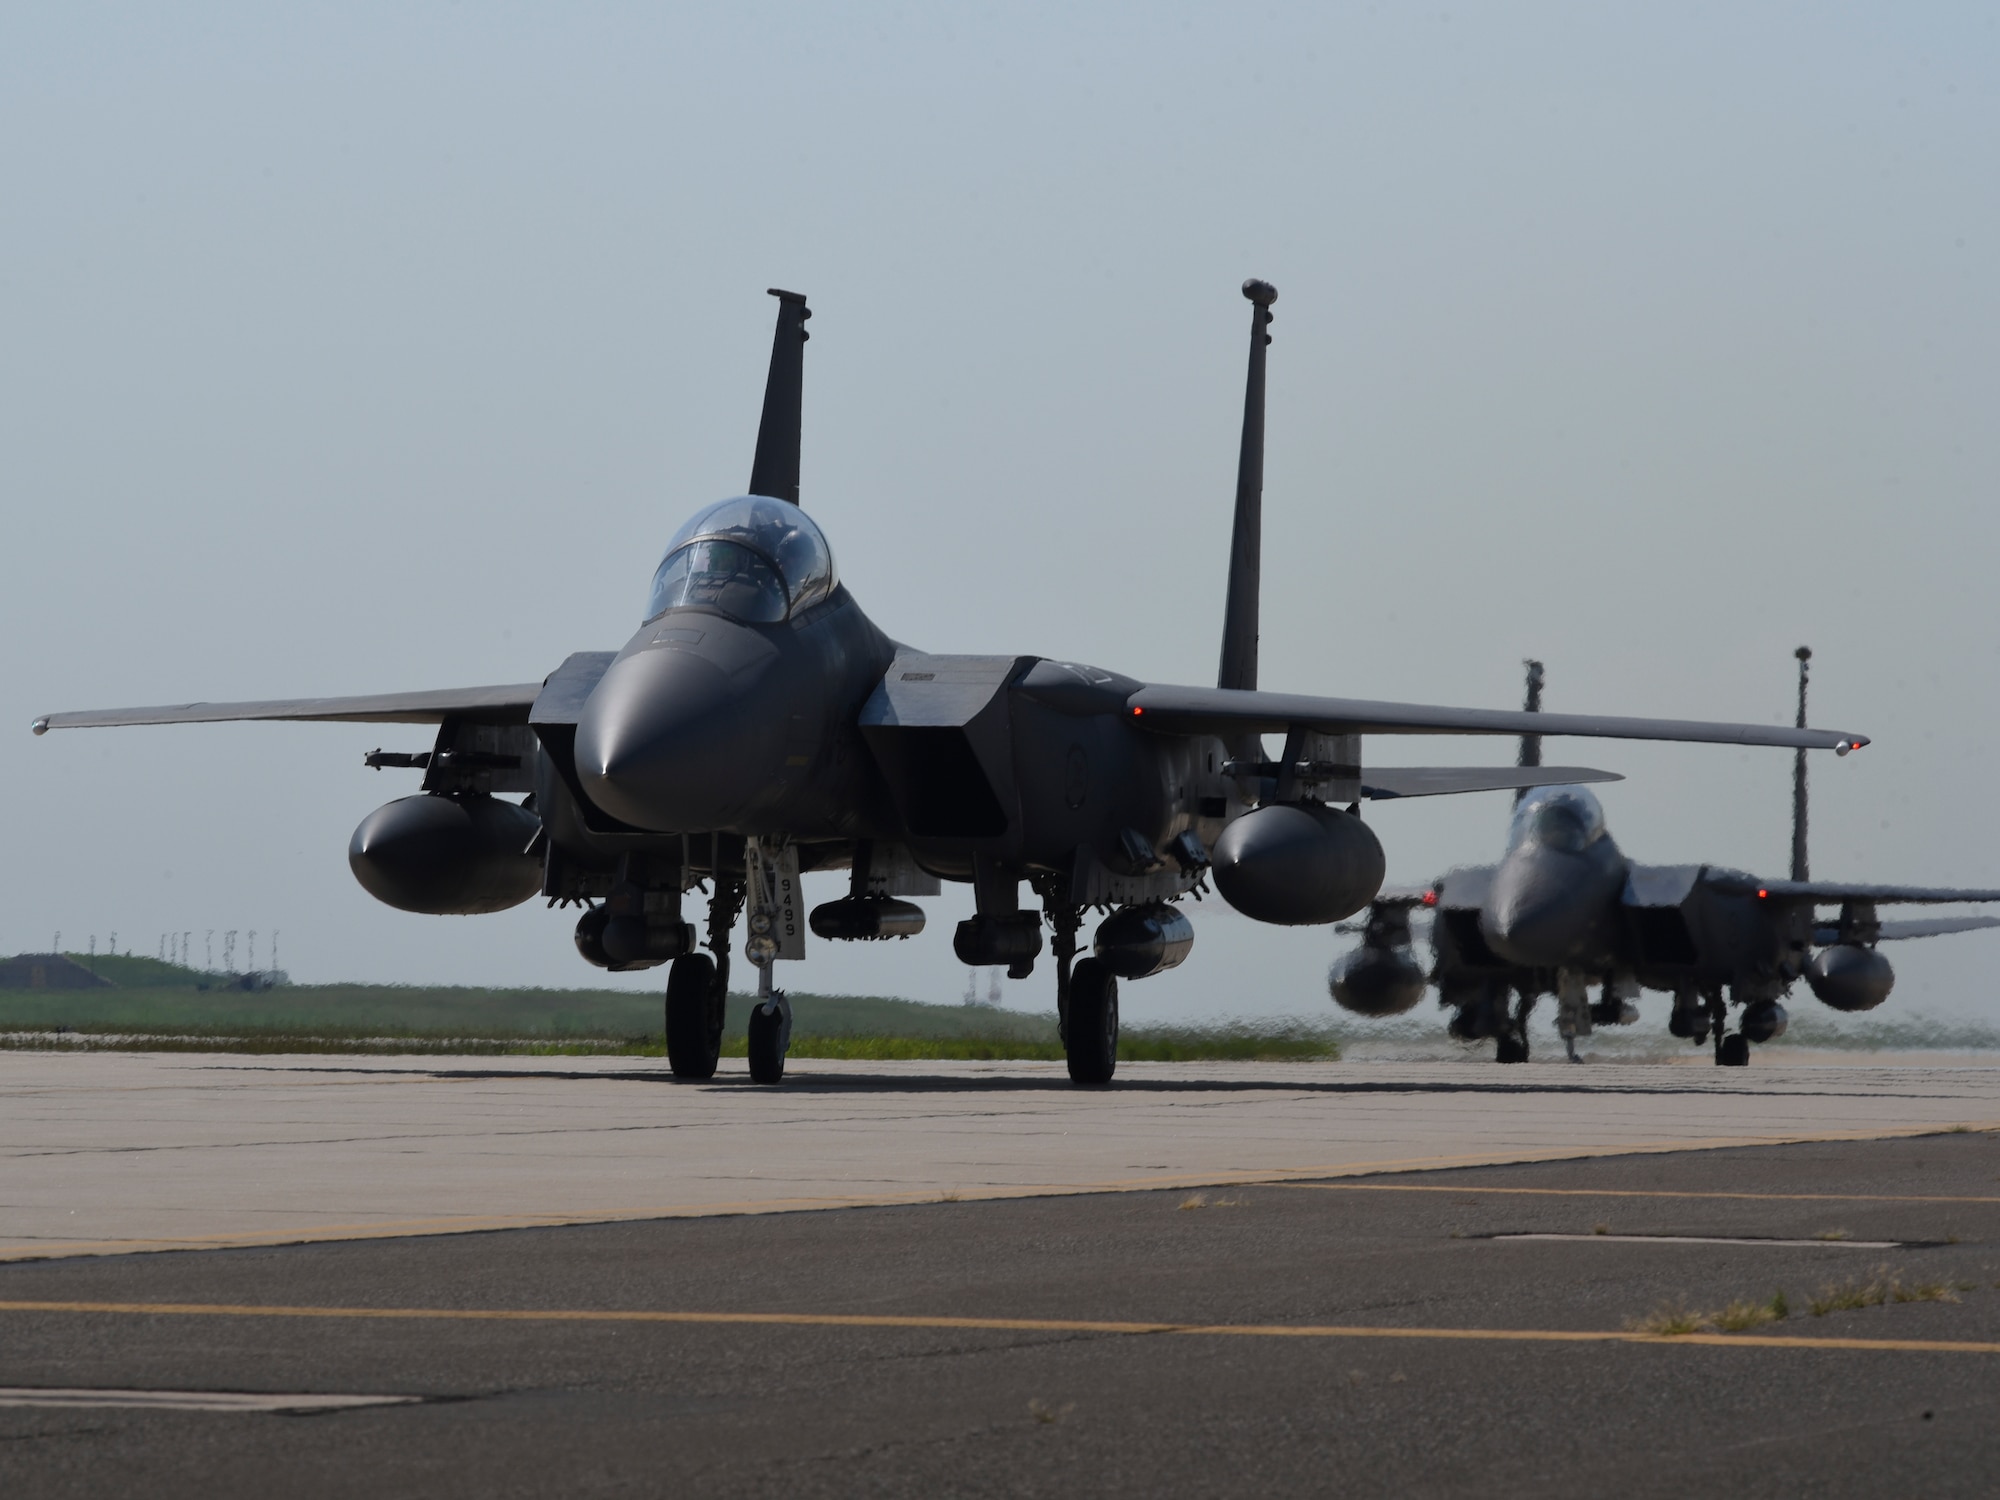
pixel 1531 744
pixel 1804 655
pixel 1246 537
pixel 775 470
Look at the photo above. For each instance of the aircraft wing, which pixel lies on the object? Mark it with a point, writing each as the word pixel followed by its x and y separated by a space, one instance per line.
pixel 1933 927
pixel 493 705
pixel 1826 892
pixel 1388 783
pixel 1225 711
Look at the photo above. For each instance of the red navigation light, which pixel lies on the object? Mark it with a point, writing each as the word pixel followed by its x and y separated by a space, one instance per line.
pixel 1763 895
pixel 1430 898
pixel 1137 710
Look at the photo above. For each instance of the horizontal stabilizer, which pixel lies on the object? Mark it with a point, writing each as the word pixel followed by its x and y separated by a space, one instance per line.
pixel 1918 928
pixel 1386 783
pixel 1826 892
pixel 1415 899
pixel 493 705
pixel 1232 711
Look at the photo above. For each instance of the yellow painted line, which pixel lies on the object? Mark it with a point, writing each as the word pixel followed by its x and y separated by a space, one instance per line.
pixel 1526 1192
pixel 992 1325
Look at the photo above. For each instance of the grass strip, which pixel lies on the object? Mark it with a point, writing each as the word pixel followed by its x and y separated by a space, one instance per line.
pixel 1164 1044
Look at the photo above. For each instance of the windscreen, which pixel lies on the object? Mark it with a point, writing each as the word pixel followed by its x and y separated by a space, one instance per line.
pixel 1565 818
pixel 753 558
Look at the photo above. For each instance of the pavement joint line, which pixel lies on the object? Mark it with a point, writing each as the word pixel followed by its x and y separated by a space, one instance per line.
pixel 1247 1177
pixel 1533 1192
pixel 1712 1239
pixel 172 1400
pixel 919 1322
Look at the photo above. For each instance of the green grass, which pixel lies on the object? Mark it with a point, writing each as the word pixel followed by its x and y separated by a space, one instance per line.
pixel 158 1016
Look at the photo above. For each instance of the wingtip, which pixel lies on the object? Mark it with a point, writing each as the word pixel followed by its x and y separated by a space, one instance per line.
pixel 41 725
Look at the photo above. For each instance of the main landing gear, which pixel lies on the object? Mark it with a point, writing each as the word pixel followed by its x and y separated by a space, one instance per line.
pixel 694 1017
pixel 1086 998
pixel 698 991
pixel 1090 1025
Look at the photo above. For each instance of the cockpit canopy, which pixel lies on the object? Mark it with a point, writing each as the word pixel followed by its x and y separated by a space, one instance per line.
pixel 753 558
pixel 1567 818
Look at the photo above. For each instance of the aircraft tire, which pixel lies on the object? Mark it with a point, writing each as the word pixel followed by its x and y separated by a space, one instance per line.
pixel 1512 1049
pixel 1090 1039
pixel 1734 1051
pixel 694 1017
pixel 767 1045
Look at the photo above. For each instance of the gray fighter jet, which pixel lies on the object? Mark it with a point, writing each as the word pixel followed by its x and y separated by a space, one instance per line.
pixel 1565 909
pixel 758 725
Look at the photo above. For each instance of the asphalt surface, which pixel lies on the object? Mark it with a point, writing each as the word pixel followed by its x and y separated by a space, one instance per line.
pixel 1274 1353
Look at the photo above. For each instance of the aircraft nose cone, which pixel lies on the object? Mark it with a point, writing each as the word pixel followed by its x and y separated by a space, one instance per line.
pixel 1541 908
pixel 670 741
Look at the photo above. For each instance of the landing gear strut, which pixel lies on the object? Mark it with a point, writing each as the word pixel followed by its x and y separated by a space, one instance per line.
pixel 1512 1044
pixel 1066 920
pixel 1573 1018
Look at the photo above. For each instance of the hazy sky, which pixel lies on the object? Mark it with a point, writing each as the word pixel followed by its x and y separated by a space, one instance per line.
pixel 355 348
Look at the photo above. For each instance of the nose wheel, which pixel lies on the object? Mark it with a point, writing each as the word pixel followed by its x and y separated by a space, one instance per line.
pixel 1733 1051
pixel 770 1037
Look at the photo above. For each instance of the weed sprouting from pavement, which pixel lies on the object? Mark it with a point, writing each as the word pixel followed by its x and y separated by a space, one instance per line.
pixel 1668 1322
pixel 1882 1287
pixel 1833 1234
pixel 1848 1297
pixel 1741 1316
pixel 1738 1317
pixel 1923 1291
pixel 1600 1229
pixel 1049 1415
pixel 1202 1200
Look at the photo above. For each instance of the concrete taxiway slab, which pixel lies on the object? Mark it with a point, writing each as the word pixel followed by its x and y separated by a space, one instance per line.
pixel 110 1152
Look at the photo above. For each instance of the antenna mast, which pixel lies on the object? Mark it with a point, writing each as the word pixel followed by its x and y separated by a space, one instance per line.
pixel 1804 655
pixel 1531 744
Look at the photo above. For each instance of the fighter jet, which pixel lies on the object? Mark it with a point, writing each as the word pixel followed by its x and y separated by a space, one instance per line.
pixel 758 725
pixel 1565 908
